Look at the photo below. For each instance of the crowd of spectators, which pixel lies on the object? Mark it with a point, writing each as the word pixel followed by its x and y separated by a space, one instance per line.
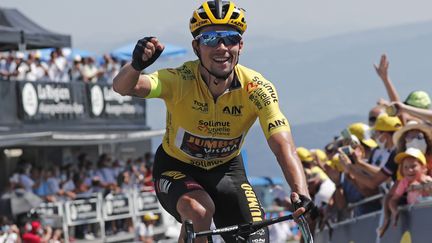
pixel 82 178
pixel 380 164
pixel 387 158
pixel 60 66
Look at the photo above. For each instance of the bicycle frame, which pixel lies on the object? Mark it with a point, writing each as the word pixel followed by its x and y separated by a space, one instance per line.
pixel 242 231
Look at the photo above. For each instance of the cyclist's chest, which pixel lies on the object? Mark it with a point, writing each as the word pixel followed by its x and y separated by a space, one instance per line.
pixel 229 114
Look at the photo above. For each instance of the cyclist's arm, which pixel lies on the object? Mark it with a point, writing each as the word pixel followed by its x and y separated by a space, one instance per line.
pixel 282 145
pixel 129 82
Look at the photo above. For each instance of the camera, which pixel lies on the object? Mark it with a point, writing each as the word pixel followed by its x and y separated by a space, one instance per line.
pixel 346 134
pixel 348 150
pixel 391 110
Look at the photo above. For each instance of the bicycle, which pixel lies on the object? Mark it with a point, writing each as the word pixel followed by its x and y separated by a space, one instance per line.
pixel 242 231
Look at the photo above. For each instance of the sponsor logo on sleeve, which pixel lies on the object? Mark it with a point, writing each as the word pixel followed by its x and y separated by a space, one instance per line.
pixel 251 86
pixel 277 123
pixel 261 93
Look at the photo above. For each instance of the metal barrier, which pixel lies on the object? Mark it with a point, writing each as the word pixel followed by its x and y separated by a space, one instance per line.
pixel 97 209
pixel 413 226
pixel 366 200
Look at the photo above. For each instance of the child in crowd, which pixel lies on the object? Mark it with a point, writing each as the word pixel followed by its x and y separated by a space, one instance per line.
pixel 414 171
pixel 145 230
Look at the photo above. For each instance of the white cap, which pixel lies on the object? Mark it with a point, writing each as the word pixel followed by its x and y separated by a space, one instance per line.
pixel 77 58
pixel 19 55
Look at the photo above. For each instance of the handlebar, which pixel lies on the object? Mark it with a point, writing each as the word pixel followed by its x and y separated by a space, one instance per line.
pixel 242 231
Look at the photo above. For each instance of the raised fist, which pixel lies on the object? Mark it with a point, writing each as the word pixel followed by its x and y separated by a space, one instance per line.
pixel 145 53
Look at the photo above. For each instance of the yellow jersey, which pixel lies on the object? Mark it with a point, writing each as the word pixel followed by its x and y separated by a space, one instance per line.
pixel 208 132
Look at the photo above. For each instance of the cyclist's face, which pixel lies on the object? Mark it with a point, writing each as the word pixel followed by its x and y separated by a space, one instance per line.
pixel 221 58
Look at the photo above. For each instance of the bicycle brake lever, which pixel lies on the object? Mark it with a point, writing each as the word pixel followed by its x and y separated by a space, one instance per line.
pixel 304 227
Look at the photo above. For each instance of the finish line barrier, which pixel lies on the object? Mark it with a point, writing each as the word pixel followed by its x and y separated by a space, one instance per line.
pixel 97 209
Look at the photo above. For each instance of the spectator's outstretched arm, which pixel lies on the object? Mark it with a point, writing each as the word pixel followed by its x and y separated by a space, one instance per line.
pixel 367 180
pixel 353 172
pixel 382 71
pixel 423 114
pixel 370 169
pixel 393 206
pixel 361 164
pixel 339 198
pixel 338 195
pixel 370 182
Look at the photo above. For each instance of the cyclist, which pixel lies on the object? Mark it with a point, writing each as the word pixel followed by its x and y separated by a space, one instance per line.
pixel 211 104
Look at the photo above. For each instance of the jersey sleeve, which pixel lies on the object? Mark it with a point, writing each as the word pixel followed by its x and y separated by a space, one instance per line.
pixel 263 95
pixel 163 83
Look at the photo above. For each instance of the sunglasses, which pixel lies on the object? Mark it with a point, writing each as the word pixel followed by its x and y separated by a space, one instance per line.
pixel 419 136
pixel 372 119
pixel 213 38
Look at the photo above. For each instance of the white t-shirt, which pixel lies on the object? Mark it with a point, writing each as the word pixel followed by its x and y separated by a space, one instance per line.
pixel 280 232
pixel 9 238
pixel 144 231
pixel 325 192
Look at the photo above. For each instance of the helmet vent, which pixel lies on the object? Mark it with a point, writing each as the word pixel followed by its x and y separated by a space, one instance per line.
pixel 235 15
pixel 203 15
pixel 225 10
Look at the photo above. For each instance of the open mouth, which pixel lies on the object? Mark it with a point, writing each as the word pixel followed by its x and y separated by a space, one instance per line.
pixel 221 59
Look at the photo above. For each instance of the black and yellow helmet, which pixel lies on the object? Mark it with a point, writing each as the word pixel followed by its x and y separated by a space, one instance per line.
pixel 218 12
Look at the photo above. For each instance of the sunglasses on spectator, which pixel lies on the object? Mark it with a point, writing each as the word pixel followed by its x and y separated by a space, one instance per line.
pixel 419 136
pixel 372 119
pixel 213 38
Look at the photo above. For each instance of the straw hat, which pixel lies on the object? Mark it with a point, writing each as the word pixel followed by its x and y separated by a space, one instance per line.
pixel 413 125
